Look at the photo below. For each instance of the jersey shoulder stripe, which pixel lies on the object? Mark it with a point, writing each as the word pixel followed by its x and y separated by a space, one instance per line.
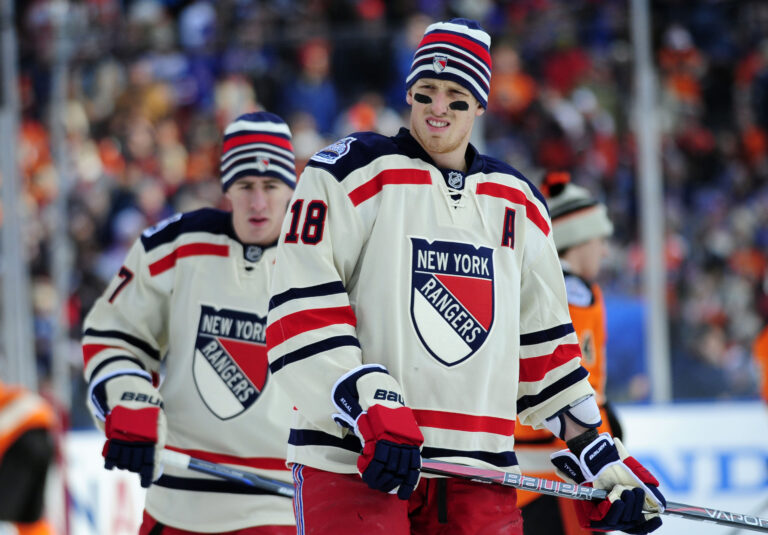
pixel 516 196
pixel 207 220
pixel 189 249
pixel 259 463
pixel 493 165
pixel 125 337
pixel 547 335
pixel 308 320
pixel 536 368
pixel 502 459
pixel 353 152
pixel 318 290
pixel 388 177
pixel 529 401
pixel 464 422
pixel 111 360
pixel 312 349
pixel 313 437
pixel 206 485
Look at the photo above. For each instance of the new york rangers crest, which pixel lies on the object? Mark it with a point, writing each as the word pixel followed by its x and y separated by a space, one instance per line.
pixel 230 362
pixel 452 297
pixel 439 63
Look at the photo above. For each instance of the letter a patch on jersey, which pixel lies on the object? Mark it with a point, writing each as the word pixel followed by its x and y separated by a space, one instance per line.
pixel 230 363
pixel 452 301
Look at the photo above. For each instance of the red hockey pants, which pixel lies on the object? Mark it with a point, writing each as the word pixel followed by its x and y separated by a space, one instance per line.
pixel 341 504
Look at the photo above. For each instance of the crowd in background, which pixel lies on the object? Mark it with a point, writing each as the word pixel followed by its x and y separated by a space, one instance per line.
pixel 152 83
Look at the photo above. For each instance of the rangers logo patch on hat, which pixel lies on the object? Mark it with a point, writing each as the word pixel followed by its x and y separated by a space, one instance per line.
pixel 439 63
pixel 452 297
pixel 262 162
pixel 230 362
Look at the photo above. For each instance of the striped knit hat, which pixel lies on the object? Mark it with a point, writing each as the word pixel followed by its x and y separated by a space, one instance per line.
pixel 458 50
pixel 577 216
pixel 257 144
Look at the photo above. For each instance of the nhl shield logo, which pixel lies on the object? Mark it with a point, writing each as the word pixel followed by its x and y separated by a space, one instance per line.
pixel 439 63
pixel 253 253
pixel 230 363
pixel 455 180
pixel 452 297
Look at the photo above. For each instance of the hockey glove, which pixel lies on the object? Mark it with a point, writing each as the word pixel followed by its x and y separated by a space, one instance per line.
pixel 391 457
pixel 136 430
pixel 605 464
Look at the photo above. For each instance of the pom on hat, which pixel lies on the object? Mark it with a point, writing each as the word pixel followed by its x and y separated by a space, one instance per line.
pixel 458 50
pixel 257 144
pixel 577 217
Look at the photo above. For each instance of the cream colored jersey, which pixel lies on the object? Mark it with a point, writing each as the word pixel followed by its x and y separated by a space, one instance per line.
pixel 397 282
pixel 190 303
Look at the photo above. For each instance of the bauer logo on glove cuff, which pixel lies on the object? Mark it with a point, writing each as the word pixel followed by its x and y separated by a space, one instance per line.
pixel 388 395
pixel 141 397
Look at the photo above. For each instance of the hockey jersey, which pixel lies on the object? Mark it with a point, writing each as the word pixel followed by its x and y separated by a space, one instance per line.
pixel 404 283
pixel 190 304
pixel 534 446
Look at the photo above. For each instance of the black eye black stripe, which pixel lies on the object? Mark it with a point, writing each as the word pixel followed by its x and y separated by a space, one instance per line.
pixel 424 99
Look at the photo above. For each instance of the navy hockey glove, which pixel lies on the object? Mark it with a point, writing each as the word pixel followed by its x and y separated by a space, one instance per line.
pixel 135 425
pixel 135 438
pixel 605 464
pixel 391 457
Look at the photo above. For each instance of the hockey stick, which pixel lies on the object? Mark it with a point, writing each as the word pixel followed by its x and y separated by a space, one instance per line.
pixel 483 475
pixel 581 492
pixel 762 507
pixel 184 461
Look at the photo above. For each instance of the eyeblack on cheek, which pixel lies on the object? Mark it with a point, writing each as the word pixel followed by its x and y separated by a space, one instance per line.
pixel 459 105
pixel 423 99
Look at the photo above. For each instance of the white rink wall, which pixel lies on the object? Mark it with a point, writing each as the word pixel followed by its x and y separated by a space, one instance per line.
pixel 706 454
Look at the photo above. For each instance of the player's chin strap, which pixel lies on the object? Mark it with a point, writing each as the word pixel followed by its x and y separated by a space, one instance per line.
pixel 583 411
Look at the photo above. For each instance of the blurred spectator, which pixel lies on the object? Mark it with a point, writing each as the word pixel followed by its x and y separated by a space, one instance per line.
pixel 312 90
pixel 760 352
pixel 153 82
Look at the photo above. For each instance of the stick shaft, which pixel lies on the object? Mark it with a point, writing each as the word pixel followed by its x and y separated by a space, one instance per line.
pixel 181 460
pixel 498 477
pixel 580 492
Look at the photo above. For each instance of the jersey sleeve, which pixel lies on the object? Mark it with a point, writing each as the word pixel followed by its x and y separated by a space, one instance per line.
pixel 551 374
pixel 312 343
pixel 125 333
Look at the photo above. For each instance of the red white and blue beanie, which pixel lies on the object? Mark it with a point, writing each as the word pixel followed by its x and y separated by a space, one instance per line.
pixel 257 144
pixel 458 50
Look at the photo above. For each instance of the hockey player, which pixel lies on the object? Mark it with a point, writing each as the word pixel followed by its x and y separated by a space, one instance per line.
pixel 27 452
pixel 580 226
pixel 191 302
pixel 418 310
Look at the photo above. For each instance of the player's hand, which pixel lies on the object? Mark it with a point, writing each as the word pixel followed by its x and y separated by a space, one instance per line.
pixel 136 432
pixel 391 457
pixel 632 489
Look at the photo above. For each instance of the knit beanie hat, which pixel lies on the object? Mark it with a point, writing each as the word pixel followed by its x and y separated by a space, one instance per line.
pixel 577 217
pixel 459 51
pixel 257 144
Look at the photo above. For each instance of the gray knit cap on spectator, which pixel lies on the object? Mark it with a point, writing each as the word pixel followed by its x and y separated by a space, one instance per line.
pixel 257 144
pixel 576 215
